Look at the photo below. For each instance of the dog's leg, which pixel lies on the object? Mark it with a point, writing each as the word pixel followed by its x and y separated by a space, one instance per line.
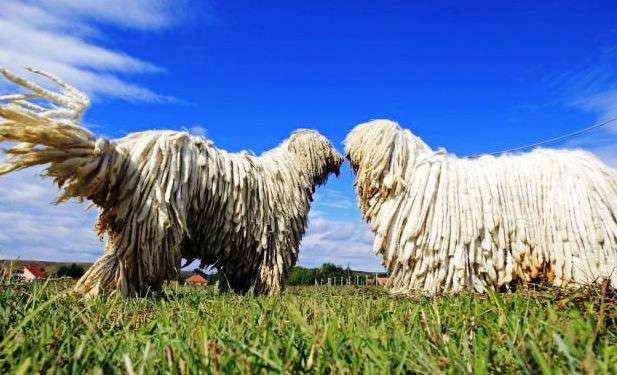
pixel 270 279
pixel 132 272
pixel 103 276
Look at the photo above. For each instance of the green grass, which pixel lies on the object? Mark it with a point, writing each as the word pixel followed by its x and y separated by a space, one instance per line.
pixel 43 327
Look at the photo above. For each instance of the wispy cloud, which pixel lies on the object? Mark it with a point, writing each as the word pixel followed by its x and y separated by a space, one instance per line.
pixel 330 198
pixel 65 37
pixel 139 14
pixel 69 38
pixel 346 243
pixel 604 103
pixel 32 228
pixel 593 89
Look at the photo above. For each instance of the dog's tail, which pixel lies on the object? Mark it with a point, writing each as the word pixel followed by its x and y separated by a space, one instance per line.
pixel 45 129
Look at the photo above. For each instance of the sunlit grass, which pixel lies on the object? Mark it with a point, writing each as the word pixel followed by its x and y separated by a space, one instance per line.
pixel 315 329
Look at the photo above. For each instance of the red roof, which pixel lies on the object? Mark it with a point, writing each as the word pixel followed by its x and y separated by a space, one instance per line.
pixel 37 272
pixel 196 279
pixel 380 281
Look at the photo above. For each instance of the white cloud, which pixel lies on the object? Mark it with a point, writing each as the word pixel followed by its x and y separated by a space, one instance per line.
pixel 603 103
pixel 33 228
pixel 593 89
pixel 330 198
pixel 140 14
pixel 64 37
pixel 345 243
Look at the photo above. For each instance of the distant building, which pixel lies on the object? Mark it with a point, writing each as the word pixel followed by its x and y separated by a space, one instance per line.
pixel 381 281
pixel 196 279
pixel 32 272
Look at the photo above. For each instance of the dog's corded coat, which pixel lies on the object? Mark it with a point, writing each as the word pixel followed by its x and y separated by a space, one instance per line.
pixel 165 195
pixel 448 224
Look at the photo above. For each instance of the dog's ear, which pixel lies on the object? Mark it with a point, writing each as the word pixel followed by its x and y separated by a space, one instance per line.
pixel 396 158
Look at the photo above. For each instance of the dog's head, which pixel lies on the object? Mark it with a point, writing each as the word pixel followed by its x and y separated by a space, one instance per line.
pixel 317 152
pixel 380 152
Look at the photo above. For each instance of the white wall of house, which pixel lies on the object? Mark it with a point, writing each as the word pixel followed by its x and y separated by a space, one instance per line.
pixel 28 276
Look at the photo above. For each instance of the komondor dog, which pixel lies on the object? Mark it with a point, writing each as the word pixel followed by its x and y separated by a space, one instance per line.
pixel 446 224
pixel 166 195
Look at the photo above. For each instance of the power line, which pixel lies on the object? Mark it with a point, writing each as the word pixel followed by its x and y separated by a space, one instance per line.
pixel 551 140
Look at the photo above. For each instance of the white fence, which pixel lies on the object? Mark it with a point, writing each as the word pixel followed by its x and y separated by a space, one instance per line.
pixel 349 280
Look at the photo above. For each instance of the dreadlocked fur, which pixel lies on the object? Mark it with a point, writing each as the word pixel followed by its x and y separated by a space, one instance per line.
pixel 446 224
pixel 165 195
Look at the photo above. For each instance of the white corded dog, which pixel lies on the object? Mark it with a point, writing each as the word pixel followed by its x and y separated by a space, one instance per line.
pixel 447 224
pixel 165 195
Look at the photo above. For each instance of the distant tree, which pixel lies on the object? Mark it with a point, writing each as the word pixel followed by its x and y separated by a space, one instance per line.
pixel 301 276
pixel 212 278
pixel 330 269
pixel 306 276
pixel 75 271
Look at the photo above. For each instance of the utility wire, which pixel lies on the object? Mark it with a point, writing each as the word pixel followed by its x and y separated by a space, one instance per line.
pixel 551 140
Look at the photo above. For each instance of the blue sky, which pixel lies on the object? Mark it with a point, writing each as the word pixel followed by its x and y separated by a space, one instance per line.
pixel 468 77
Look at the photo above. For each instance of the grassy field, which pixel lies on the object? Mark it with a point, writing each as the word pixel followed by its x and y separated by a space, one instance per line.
pixel 308 329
